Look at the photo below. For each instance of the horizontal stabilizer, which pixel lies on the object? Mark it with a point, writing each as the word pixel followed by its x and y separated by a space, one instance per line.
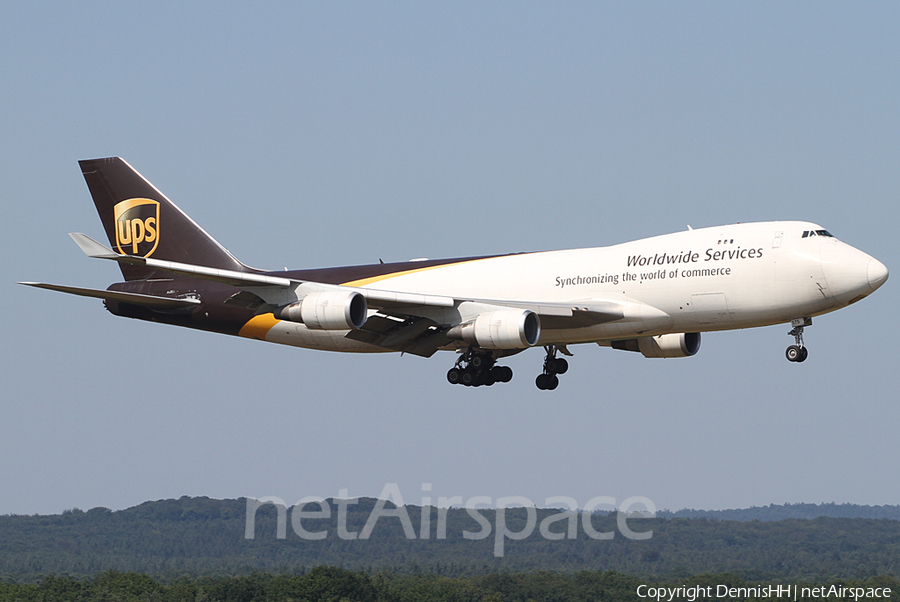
pixel 92 248
pixel 150 301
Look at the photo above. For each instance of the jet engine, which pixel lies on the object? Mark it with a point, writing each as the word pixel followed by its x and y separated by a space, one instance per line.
pixel 664 345
pixel 503 329
pixel 330 310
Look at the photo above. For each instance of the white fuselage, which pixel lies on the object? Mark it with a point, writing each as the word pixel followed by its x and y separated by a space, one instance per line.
pixel 720 278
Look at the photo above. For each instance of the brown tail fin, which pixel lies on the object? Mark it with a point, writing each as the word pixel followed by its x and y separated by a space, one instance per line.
pixel 140 220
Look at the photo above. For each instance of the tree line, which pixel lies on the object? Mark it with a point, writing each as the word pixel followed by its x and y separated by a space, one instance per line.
pixel 331 584
pixel 202 537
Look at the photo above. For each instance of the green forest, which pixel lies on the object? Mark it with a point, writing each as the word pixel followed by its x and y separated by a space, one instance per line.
pixel 202 538
pixel 330 584
pixel 783 511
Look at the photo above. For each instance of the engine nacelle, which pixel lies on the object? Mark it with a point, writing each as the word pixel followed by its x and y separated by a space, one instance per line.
pixel 331 310
pixel 664 345
pixel 504 329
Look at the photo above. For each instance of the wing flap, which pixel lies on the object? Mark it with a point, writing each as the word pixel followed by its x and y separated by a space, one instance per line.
pixel 410 334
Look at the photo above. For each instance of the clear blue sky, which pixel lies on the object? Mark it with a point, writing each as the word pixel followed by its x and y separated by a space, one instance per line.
pixel 317 134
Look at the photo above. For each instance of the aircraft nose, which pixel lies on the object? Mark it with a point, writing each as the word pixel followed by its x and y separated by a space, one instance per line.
pixel 877 273
pixel 850 273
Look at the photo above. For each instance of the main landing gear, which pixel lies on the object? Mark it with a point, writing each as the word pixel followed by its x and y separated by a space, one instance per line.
pixel 476 367
pixel 548 380
pixel 798 352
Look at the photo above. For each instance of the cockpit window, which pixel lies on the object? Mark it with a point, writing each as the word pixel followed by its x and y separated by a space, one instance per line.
pixel 807 233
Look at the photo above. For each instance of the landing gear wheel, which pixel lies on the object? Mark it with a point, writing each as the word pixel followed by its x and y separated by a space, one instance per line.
pixel 475 368
pixel 546 382
pixel 798 351
pixel 479 361
pixel 793 353
pixel 501 374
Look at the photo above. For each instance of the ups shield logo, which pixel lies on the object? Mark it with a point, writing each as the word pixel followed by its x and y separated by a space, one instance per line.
pixel 137 227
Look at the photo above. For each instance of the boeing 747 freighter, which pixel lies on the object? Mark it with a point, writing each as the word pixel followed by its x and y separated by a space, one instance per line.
pixel 653 296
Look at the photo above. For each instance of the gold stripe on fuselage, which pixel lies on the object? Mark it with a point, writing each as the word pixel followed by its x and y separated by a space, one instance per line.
pixel 374 279
pixel 259 326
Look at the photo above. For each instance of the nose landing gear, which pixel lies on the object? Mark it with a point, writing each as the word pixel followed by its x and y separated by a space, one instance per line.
pixel 476 367
pixel 548 380
pixel 798 352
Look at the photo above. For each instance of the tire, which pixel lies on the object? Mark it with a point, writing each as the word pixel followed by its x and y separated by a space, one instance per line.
pixel 481 361
pixel 552 382
pixel 454 376
pixel 793 353
pixel 562 366
pixel 541 381
pixel 804 353
pixel 501 374
pixel 468 378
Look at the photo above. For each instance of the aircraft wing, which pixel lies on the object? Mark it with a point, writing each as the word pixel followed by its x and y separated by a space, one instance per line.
pixel 398 323
pixel 377 298
pixel 402 330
